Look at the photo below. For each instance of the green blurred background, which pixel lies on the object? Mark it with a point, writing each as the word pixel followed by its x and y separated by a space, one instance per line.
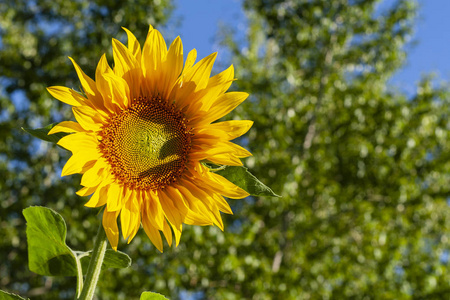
pixel 363 168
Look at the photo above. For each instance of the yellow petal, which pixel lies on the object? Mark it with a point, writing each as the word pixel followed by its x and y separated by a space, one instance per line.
pixel 115 196
pixel 66 95
pixel 118 89
pixel 217 85
pixel 224 186
pixel 152 232
pixel 237 150
pixel 213 195
pixel 191 201
pixel 80 142
pixel 204 149
pixel 214 189
pixel 177 232
pixel 194 218
pixel 226 159
pixel 103 85
pixel 88 118
pixel 217 154
pixel 129 215
pixel 67 126
pixel 100 197
pixel 222 204
pixel 153 208
pixel 200 72
pixel 136 224
pixel 194 80
pixel 194 212
pixel 190 60
pixel 170 211
pixel 110 226
pixel 79 162
pixel 86 191
pixel 199 204
pixel 177 200
pixel 153 54
pixel 222 81
pixel 167 233
pixel 127 67
pixel 222 106
pixel 133 45
pixel 228 130
pixel 94 175
pixel 198 193
pixel 171 68
pixel 125 217
pixel 94 97
pixel 86 82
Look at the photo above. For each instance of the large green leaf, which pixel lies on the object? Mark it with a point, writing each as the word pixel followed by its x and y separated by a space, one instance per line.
pixel 152 296
pixel 8 296
pixel 48 253
pixel 241 177
pixel 42 133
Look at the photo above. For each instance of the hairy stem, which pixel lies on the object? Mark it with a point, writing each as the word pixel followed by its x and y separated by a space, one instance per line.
pixel 95 265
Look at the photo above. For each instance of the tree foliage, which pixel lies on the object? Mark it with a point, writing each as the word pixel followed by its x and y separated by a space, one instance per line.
pixel 363 170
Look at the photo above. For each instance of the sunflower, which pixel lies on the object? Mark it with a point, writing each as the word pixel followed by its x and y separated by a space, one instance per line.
pixel 144 130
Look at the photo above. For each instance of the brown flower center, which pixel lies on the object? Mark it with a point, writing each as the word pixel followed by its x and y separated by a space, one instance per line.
pixel 147 144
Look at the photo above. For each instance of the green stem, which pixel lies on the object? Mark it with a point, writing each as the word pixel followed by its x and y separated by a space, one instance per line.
pixel 95 265
pixel 79 274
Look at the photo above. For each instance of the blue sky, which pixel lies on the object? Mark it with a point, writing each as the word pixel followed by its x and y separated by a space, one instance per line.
pixel 428 52
pixel 430 49
pixel 200 21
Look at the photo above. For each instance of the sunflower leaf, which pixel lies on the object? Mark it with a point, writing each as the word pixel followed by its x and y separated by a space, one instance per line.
pixel 113 259
pixel 42 133
pixel 241 177
pixel 152 296
pixel 48 253
pixel 9 296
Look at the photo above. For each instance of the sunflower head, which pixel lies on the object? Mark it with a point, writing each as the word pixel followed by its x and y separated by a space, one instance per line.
pixel 142 131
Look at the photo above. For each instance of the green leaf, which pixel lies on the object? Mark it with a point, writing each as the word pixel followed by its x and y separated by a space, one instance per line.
pixel 8 296
pixel 116 259
pixel 241 177
pixel 42 133
pixel 152 296
pixel 113 259
pixel 48 253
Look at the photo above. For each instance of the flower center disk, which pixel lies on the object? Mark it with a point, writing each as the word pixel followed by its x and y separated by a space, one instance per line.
pixel 147 144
